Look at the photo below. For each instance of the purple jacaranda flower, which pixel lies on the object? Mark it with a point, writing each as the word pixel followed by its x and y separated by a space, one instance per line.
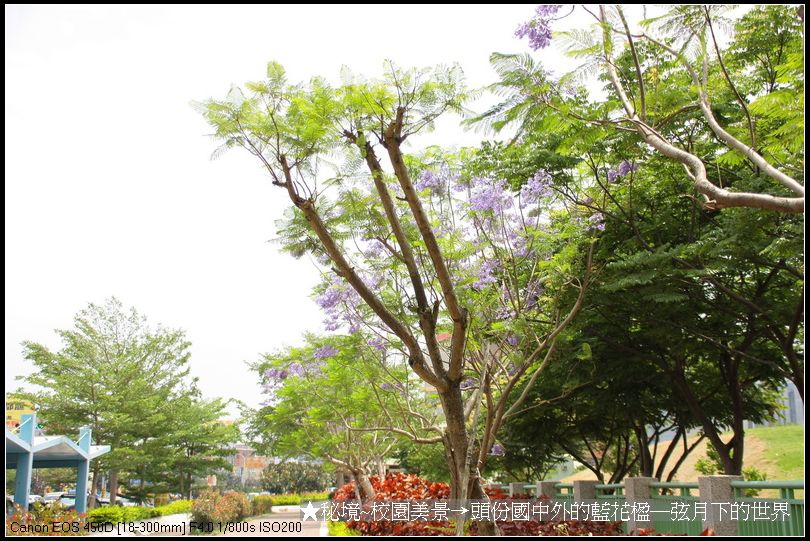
pixel 377 343
pixel 497 450
pixel 512 340
pixel 624 168
pixel 485 275
pixel 429 179
pixel 374 248
pixel 468 383
pixel 596 222
pixel 537 187
pixel 489 195
pixel 538 27
pixel 325 352
pixel 295 369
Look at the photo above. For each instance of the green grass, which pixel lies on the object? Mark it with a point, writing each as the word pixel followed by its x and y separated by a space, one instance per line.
pixel 339 529
pixel 784 448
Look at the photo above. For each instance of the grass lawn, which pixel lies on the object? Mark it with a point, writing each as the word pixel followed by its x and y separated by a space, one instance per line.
pixel 784 449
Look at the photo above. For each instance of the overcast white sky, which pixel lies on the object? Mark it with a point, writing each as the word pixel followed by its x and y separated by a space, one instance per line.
pixel 108 182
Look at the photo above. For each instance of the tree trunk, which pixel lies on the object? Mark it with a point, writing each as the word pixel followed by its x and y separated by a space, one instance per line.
pixel 456 442
pixel 94 486
pixel 363 484
pixel 455 439
pixel 113 486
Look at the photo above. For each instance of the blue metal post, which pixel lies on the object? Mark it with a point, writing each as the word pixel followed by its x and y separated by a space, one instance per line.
pixel 83 470
pixel 25 461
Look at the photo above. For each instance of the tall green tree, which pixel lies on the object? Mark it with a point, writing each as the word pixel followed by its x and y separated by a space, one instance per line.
pixel 114 374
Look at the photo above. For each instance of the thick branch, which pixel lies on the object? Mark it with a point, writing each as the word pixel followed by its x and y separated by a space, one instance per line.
pixel 426 321
pixel 392 139
pixel 723 135
pixel 416 357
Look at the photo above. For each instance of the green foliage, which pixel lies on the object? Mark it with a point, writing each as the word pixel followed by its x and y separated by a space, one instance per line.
pixel 294 477
pixel 340 529
pixel 427 461
pixel 711 465
pixel 313 405
pixel 262 505
pixel 115 513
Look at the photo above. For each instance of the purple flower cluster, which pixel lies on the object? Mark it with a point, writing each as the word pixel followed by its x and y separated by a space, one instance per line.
pixel 538 28
pixel 624 168
pixel 277 374
pixel 512 340
pixel 374 248
pixel 536 187
pixel 596 222
pixel 393 387
pixel 488 194
pixel 485 273
pixel 431 180
pixel 335 302
pixel 377 343
pixel 325 352
pixel 467 384
pixel 497 450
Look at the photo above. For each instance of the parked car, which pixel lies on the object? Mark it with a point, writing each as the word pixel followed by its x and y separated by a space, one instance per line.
pixel 125 502
pixel 67 500
pixel 51 497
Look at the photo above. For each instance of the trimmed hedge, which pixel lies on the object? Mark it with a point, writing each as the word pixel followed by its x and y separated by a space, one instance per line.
pixel 295 499
pixel 117 513
pixel 262 505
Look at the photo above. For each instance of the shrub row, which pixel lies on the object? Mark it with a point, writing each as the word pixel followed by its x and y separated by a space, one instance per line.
pixel 410 487
pixel 262 505
pixel 296 499
pixel 212 506
pixel 116 513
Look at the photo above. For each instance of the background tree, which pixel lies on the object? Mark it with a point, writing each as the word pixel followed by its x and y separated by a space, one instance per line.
pixel 681 73
pixel 121 378
pixel 294 477
pixel 716 298
pixel 334 400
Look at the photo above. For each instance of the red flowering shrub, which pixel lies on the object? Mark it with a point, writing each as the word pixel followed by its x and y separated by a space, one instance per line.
pixel 411 487
pixel 399 486
pixel 41 521
pixel 210 506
